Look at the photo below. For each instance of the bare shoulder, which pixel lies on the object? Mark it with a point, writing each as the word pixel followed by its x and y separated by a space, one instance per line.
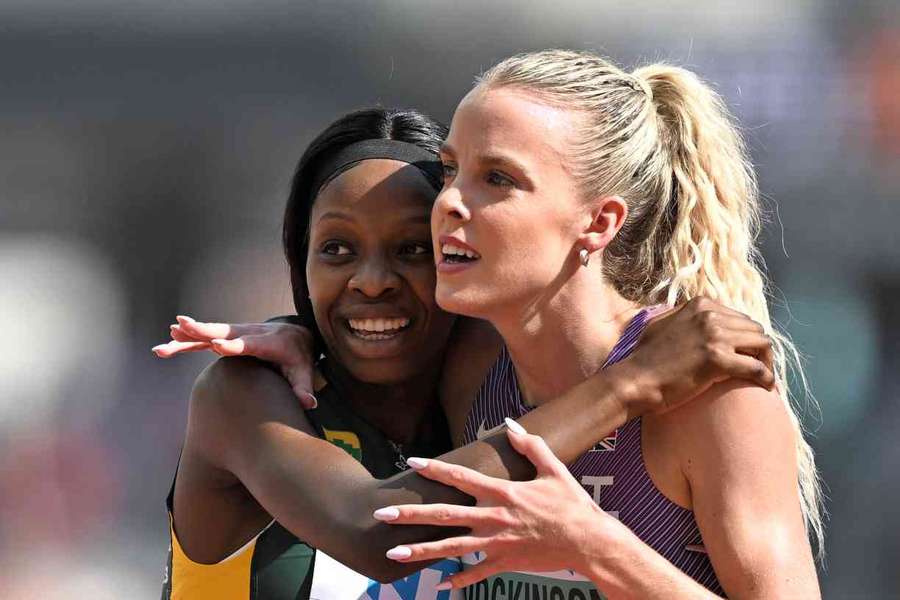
pixel 735 428
pixel 231 397
pixel 471 351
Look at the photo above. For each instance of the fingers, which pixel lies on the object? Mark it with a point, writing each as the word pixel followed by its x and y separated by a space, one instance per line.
pixel 462 478
pixel 208 331
pixel 301 379
pixel 535 449
pixel 749 368
pixel 172 348
pixel 445 515
pixel 180 336
pixel 472 574
pixel 448 548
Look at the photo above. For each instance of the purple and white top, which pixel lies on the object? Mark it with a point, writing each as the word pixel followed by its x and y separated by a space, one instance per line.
pixel 613 471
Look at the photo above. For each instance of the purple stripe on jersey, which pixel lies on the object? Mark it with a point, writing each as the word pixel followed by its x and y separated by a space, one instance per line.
pixel 615 474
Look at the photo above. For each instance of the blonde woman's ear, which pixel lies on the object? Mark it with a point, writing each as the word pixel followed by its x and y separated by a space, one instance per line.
pixel 607 217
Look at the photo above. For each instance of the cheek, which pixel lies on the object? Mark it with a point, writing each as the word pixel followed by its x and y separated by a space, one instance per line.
pixel 422 280
pixel 325 286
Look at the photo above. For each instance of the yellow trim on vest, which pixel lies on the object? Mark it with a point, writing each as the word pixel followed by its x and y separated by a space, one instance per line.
pixel 346 440
pixel 228 579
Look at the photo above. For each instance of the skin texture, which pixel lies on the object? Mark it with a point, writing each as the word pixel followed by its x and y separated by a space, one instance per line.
pixel 735 468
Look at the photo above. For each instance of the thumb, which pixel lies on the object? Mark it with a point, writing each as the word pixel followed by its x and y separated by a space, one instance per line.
pixel 535 449
pixel 301 379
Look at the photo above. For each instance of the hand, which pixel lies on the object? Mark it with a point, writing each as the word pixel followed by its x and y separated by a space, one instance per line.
pixel 683 352
pixel 547 524
pixel 286 345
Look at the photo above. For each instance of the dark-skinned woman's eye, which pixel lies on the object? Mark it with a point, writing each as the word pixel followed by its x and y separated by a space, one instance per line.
pixel 336 248
pixel 415 249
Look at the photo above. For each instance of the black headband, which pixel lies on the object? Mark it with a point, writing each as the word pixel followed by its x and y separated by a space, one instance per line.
pixel 427 162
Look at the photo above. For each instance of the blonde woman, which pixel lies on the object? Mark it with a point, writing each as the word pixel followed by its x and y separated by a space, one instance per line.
pixel 582 194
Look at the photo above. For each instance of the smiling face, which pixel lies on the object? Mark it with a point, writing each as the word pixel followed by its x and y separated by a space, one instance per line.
pixel 506 223
pixel 370 272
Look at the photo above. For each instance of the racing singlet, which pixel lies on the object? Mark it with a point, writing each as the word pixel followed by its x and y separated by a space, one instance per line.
pixel 613 471
pixel 276 565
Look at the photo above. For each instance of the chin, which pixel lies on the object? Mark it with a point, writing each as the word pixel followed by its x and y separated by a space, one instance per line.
pixel 461 301
pixel 382 372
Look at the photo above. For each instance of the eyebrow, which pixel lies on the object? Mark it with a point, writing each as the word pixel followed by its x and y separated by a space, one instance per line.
pixel 337 216
pixel 418 218
pixel 497 160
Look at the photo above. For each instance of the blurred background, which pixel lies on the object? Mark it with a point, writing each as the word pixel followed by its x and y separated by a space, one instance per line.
pixel 146 150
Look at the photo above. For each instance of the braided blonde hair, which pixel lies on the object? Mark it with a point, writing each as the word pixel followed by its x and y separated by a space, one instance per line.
pixel 664 141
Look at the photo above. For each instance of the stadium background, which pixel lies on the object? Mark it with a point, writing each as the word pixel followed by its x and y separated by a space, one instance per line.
pixel 145 153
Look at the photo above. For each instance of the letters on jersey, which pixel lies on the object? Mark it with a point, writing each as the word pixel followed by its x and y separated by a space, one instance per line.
pixel 332 580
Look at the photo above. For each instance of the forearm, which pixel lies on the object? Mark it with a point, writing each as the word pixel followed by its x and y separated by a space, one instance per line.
pixel 574 422
pixel 624 567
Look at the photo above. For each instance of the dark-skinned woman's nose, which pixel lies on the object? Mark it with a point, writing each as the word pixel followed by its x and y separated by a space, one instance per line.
pixel 374 278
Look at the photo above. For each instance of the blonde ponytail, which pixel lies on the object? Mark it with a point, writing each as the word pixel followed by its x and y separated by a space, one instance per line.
pixel 711 250
pixel 664 141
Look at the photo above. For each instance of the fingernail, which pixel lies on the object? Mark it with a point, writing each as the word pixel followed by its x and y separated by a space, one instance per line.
pixel 184 318
pixel 388 513
pixel 514 426
pixel 311 401
pixel 398 553
pixel 444 585
pixel 417 463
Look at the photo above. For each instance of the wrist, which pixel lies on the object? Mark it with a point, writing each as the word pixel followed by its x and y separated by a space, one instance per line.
pixel 635 391
pixel 618 561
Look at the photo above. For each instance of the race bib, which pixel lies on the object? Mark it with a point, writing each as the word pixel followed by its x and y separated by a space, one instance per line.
pixel 555 585
pixel 335 581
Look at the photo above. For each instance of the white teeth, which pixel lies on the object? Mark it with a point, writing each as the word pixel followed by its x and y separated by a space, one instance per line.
pixel 451 249
pixel 378 325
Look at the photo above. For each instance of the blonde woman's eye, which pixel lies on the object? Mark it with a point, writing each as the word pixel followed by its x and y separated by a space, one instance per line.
pixel 495 178
pixel 336 248
pixel 449 170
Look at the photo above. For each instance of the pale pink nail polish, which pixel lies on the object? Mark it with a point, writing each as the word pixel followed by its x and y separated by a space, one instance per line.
pixel 398 553
pixel 444 585
pixel 417 463
pixel 388 513
pixel 514 426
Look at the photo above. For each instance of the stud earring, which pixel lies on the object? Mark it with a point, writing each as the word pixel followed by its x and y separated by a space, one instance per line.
pixel 585 257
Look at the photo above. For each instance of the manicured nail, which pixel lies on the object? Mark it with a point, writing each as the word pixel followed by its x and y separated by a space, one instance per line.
pixel 514 426
pixel 388 513
pixel 311 401
pixel 184 318
pixel 444 585
pixel 417 463
pixel 398 553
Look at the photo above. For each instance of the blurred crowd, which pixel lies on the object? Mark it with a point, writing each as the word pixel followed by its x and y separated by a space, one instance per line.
pixel 145 157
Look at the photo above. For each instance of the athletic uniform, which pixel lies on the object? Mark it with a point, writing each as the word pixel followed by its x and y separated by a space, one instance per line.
pixel 613 472
pixel 276 565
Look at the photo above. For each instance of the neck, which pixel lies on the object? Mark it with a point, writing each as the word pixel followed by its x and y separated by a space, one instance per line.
pixel 398 410
pixel 562 338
